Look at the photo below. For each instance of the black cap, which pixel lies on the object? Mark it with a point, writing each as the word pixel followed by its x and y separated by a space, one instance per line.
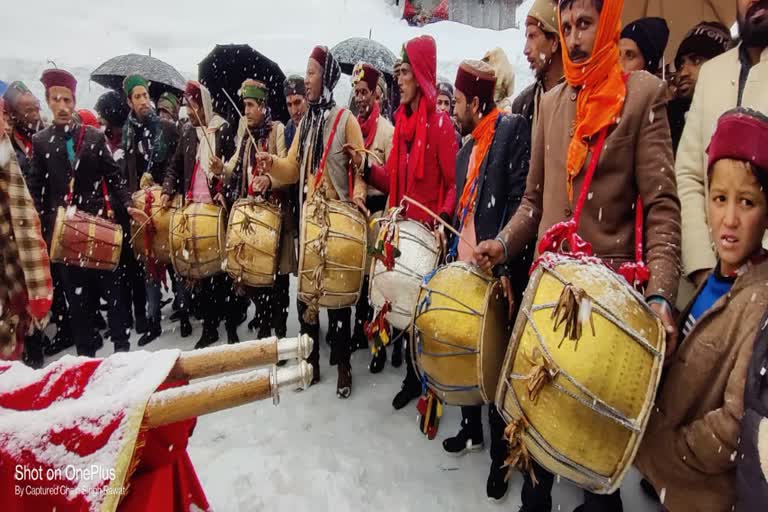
pixel 651 36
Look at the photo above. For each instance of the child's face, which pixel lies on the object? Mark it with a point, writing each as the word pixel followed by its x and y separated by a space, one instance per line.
pixel 737 213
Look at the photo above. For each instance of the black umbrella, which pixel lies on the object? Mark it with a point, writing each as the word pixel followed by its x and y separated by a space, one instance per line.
pixel 228 66
pixel 162 76
pixel 355 49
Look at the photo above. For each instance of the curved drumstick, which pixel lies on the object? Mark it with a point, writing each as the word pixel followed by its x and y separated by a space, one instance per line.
pixel 144 225
pixel 367 152
pixel 438 219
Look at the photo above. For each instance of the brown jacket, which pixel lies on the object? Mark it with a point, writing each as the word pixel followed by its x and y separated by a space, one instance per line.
pixel 690 444
pixel 637 158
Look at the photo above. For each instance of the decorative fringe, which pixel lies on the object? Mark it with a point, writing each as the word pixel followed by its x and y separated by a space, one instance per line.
pixel 378 330
pixel 543 371
pixel 518 456
pixel 574 308
pixel 387 244
pixel 430 411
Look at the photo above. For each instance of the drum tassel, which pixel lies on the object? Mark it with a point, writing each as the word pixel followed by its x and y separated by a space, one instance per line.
pixel 518 456
pixel 543 371
pixel 574 308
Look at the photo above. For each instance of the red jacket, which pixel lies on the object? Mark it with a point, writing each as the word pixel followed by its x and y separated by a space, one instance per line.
pixel 436 189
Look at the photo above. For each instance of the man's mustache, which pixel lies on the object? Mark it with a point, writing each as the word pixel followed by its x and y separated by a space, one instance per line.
pixel 577 55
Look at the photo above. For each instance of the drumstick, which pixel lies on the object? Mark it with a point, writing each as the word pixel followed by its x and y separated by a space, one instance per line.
pixel 143 225
pixel 366 151
pixel 205 135
pixel 438 219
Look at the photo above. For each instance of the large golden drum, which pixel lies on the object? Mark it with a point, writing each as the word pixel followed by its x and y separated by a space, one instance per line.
pixel 460 334
pixel 334 246
pixel 581 401
pixel 154 238
pixel 84 240
pixel 197 240
pixel 253 242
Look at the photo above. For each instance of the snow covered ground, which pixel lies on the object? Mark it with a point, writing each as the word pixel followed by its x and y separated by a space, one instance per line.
pixel 314 451
pixel 318 453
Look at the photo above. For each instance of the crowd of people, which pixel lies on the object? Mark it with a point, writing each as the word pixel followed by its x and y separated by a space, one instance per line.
pixel 672 152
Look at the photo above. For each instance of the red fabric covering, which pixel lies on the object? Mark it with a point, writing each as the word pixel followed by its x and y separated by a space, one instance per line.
pixel 88 118
pixel 80 414
pixel 418 16
pixel 165 478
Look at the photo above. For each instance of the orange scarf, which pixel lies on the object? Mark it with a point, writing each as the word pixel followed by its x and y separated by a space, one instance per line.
pixel 603 90
pixel 483 135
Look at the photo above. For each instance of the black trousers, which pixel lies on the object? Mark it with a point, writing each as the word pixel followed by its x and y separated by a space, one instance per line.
pixel 339 321
pixel 215 296
pixel 363 309
pixel 411 381
pixel 134 283
pixel 59 309
pixel 272 306
pixel 538 498
pixel 472 421
pixel 82 288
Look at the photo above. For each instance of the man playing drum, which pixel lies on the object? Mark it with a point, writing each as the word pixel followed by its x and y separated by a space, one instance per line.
pixel 243 179
pixel 72 167
pixel 325 126
pixel 491 170
pixel 423 160
pixel 573 121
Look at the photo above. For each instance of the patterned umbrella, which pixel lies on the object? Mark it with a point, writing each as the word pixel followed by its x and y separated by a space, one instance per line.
pixel 228 66
pixel 355 49
pixel 162 76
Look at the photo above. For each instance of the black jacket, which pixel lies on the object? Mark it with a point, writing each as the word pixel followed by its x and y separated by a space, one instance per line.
pixel 148 147
pixel 178 176
pixel 501 185
pixel 752 487
pixel 50 173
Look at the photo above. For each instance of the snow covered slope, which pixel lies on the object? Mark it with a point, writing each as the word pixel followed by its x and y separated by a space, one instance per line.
pixel 79 35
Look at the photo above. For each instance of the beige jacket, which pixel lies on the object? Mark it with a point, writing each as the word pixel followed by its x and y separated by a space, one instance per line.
pixel 716 92
pixel 382 146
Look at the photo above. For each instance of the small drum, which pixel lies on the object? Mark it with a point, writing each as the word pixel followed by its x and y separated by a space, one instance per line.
pixel 253 242
pixel 460 334
pixel 197 240
pixel 84 240
pixel 334 243
pixel 419 255
pixel 581 372
pixel 153 239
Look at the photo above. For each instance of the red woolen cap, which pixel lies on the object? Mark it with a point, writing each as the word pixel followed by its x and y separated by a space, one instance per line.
pixel 741 134
pixel 367 73
pixel 59 78
pixel 476 78
pixel 320 54
pixel 192 91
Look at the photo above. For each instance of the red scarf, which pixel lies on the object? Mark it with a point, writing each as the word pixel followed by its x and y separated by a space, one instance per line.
pixel 409 131
pixel 368 126
pixel 24 142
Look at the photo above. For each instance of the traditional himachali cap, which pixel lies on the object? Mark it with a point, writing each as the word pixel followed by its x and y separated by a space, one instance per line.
pixel 544 14
pixel 59 78
pixel 476 78
pixel 445 89
pixel 132 81
pixel 254 90
pixel 192 91
pixel 320 55
pixel 708 39
pixel 366 73
pixel 294 85
pixel 168 102
pixel 740 135
pixel 14 92
pixel 651 36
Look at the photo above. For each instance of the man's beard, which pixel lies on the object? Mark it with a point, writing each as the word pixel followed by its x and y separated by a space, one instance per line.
pixel 754 34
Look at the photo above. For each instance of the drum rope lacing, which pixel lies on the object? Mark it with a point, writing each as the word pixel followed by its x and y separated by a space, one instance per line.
pixel 248 225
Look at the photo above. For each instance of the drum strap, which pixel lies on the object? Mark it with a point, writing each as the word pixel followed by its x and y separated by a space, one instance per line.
pixel 319 172
pixel 74 163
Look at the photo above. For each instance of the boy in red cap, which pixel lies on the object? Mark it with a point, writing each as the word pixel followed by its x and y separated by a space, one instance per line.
pixel 422 164
pixel 691 444
pixel 71 164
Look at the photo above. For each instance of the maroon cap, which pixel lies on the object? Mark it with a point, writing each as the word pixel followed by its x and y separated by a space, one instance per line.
pixel 320 54
pixel 476 78
pixel 59 78
pixel 192 91
pixel 367 73
pixel 740 135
